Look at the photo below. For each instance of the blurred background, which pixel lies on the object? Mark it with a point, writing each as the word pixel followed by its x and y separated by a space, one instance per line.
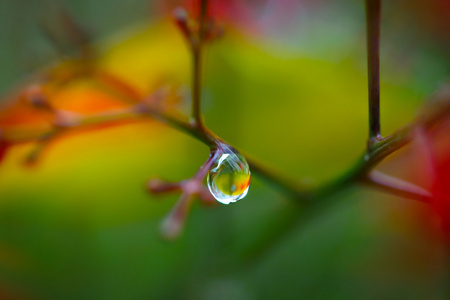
pixel 287 84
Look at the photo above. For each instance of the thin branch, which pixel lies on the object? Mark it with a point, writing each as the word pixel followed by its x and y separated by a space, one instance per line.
pixel 201 173
pixel 174 222
pixel 354 175
pixel 380 147
pixel 144 110
pixel 41 145
pixel 64 32
pixel 196 89
pixel 197 46
pixel 308 200
pixel 373 19
pixel 397 186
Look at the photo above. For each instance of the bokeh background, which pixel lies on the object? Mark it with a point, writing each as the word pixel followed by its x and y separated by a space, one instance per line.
pixel 287 84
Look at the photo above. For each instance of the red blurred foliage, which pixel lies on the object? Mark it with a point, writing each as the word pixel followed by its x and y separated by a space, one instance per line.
pixel 4 145
pixel 258 16
pixel 255 16
pixel 434 152
pixel 440 204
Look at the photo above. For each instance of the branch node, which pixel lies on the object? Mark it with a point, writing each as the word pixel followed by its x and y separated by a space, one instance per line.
pixel 372 142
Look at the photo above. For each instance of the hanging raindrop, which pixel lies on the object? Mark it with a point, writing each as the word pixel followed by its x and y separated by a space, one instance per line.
pixel 229 177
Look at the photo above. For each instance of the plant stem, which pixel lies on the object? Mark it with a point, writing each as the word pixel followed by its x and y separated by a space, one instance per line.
pixel 197 55
pixel 373 19
pixel 201 173
pixel 398 186
pixel 355 175
pixel 196 86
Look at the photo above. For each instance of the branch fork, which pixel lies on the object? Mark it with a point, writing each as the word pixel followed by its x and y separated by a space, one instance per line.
pixel 173 223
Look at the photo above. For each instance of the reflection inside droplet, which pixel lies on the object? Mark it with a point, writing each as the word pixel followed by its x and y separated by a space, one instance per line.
pixel 229 177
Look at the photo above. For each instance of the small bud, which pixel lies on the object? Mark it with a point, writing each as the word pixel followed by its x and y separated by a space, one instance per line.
pixel 66 119
pixel 36 97
pixel 158 186
pixel 182 19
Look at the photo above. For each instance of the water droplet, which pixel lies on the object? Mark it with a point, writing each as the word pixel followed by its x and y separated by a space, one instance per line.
pixel 229 176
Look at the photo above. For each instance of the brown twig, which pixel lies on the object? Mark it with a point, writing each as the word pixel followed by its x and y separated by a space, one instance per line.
pixel 172 225
pixel 197 47
pixel 357 174
pixel 373 17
